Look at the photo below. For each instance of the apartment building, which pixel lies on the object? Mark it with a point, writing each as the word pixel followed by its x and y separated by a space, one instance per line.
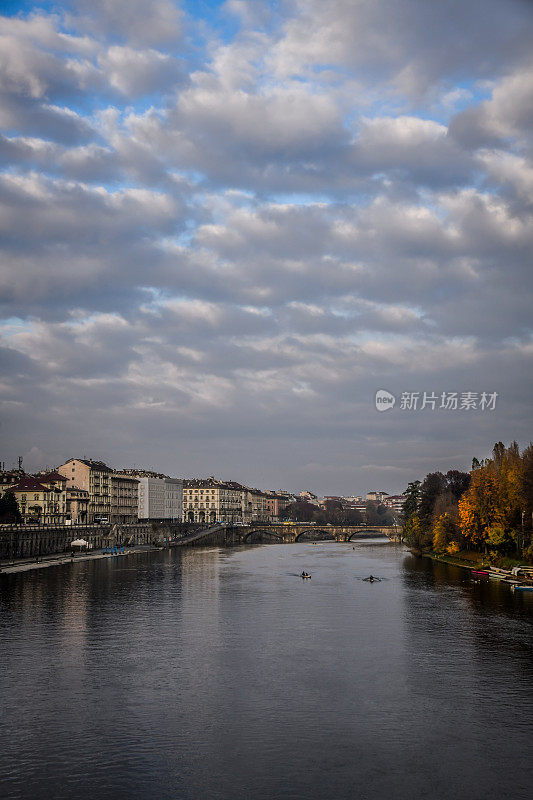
pixel 309 497
pixel 173 498
pixel 58 499
pixel 124 498
pixel 210 500
pixel 255 506
pixel 158 496
pixel 112 495
pixel 9 477
pixel 273 506
pixel 95 478
pixel 284 498
pixel 395 503
pixel 36 502
pixel 377 497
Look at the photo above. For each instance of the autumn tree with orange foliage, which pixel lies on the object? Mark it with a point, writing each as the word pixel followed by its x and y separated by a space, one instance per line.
pixel 491 511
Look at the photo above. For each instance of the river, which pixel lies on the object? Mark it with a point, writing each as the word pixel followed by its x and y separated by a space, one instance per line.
pixel 219 673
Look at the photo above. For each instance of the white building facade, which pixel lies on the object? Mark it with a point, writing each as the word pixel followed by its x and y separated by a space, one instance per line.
pixel 173 498
pixel 160 497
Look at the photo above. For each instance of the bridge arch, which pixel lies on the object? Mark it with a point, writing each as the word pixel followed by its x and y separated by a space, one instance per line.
pixel 311 533
pixel 262 532
pixel 367 532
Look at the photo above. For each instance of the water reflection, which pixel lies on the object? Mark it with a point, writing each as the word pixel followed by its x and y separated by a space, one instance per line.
pixel 221 674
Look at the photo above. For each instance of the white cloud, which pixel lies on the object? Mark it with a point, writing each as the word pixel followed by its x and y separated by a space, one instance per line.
pixel 236 237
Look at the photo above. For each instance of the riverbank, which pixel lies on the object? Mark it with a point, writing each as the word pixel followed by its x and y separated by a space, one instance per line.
pixel 26 565
pixel 473 560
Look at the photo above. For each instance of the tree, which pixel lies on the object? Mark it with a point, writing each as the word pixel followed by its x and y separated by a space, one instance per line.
pixel 457 482
pixel 440 540
pixel 9 509
pixel 412 500
pixel 410 511
pixel 479 507
pixel 301 511
pixel 526 521
pixel 352 517
pixel 490 508
pixel 371 515
pixel 445 532
pixel 412 533
pixel 496 538
pixel 432 485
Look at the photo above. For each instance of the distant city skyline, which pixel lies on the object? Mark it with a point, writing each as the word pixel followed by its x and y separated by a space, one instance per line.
pixel 225 226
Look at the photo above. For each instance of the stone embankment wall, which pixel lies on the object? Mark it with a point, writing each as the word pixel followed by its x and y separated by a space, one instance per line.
pixel 27 541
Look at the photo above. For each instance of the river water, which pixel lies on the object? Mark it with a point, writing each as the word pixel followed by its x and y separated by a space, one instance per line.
pixel 219 673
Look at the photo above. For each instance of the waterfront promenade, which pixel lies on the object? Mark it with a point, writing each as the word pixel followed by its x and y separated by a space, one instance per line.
pixel 28 564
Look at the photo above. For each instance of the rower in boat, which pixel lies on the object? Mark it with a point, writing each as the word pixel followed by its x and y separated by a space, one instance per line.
pixel 305 575
pixel 371 579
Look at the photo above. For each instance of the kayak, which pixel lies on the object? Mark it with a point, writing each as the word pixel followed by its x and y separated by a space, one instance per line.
pixel 522 588
pixel 480 572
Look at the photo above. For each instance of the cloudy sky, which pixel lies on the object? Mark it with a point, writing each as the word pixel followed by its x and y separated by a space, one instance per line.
pixel 225 225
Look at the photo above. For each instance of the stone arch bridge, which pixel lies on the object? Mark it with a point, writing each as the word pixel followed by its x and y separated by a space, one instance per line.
pixel 301 531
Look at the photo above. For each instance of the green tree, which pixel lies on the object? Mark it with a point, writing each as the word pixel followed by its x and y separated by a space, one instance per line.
pixel 432 486
pixel 412 500
pixel 457 483
pixel 526 521
pixel 9 509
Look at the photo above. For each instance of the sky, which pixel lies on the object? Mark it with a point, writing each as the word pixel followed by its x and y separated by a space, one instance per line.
pixel 224 226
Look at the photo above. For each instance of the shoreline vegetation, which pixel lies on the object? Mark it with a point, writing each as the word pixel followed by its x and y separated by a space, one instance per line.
pixel 471 559
pixel 481 518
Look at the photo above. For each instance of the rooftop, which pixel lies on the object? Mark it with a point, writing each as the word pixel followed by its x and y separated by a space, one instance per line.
pixel 29 484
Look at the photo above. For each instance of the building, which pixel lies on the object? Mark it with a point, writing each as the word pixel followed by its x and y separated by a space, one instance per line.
pixel 124 498
pixel 173 498
pixel 159 496
pixel 284 498
pixel 395 503
pixel 95 478
pixel 210 500
pixel 255 506
pixel 77 505
pixel 41 498
pixel 112 495
pixel 377 497
pixel 57 484
pixel 273 506
pixel 151 497
pixel 309 497
pixel 36 502
pixel 10 477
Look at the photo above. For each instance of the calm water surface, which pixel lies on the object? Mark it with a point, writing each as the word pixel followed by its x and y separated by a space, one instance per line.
pixel 219 673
